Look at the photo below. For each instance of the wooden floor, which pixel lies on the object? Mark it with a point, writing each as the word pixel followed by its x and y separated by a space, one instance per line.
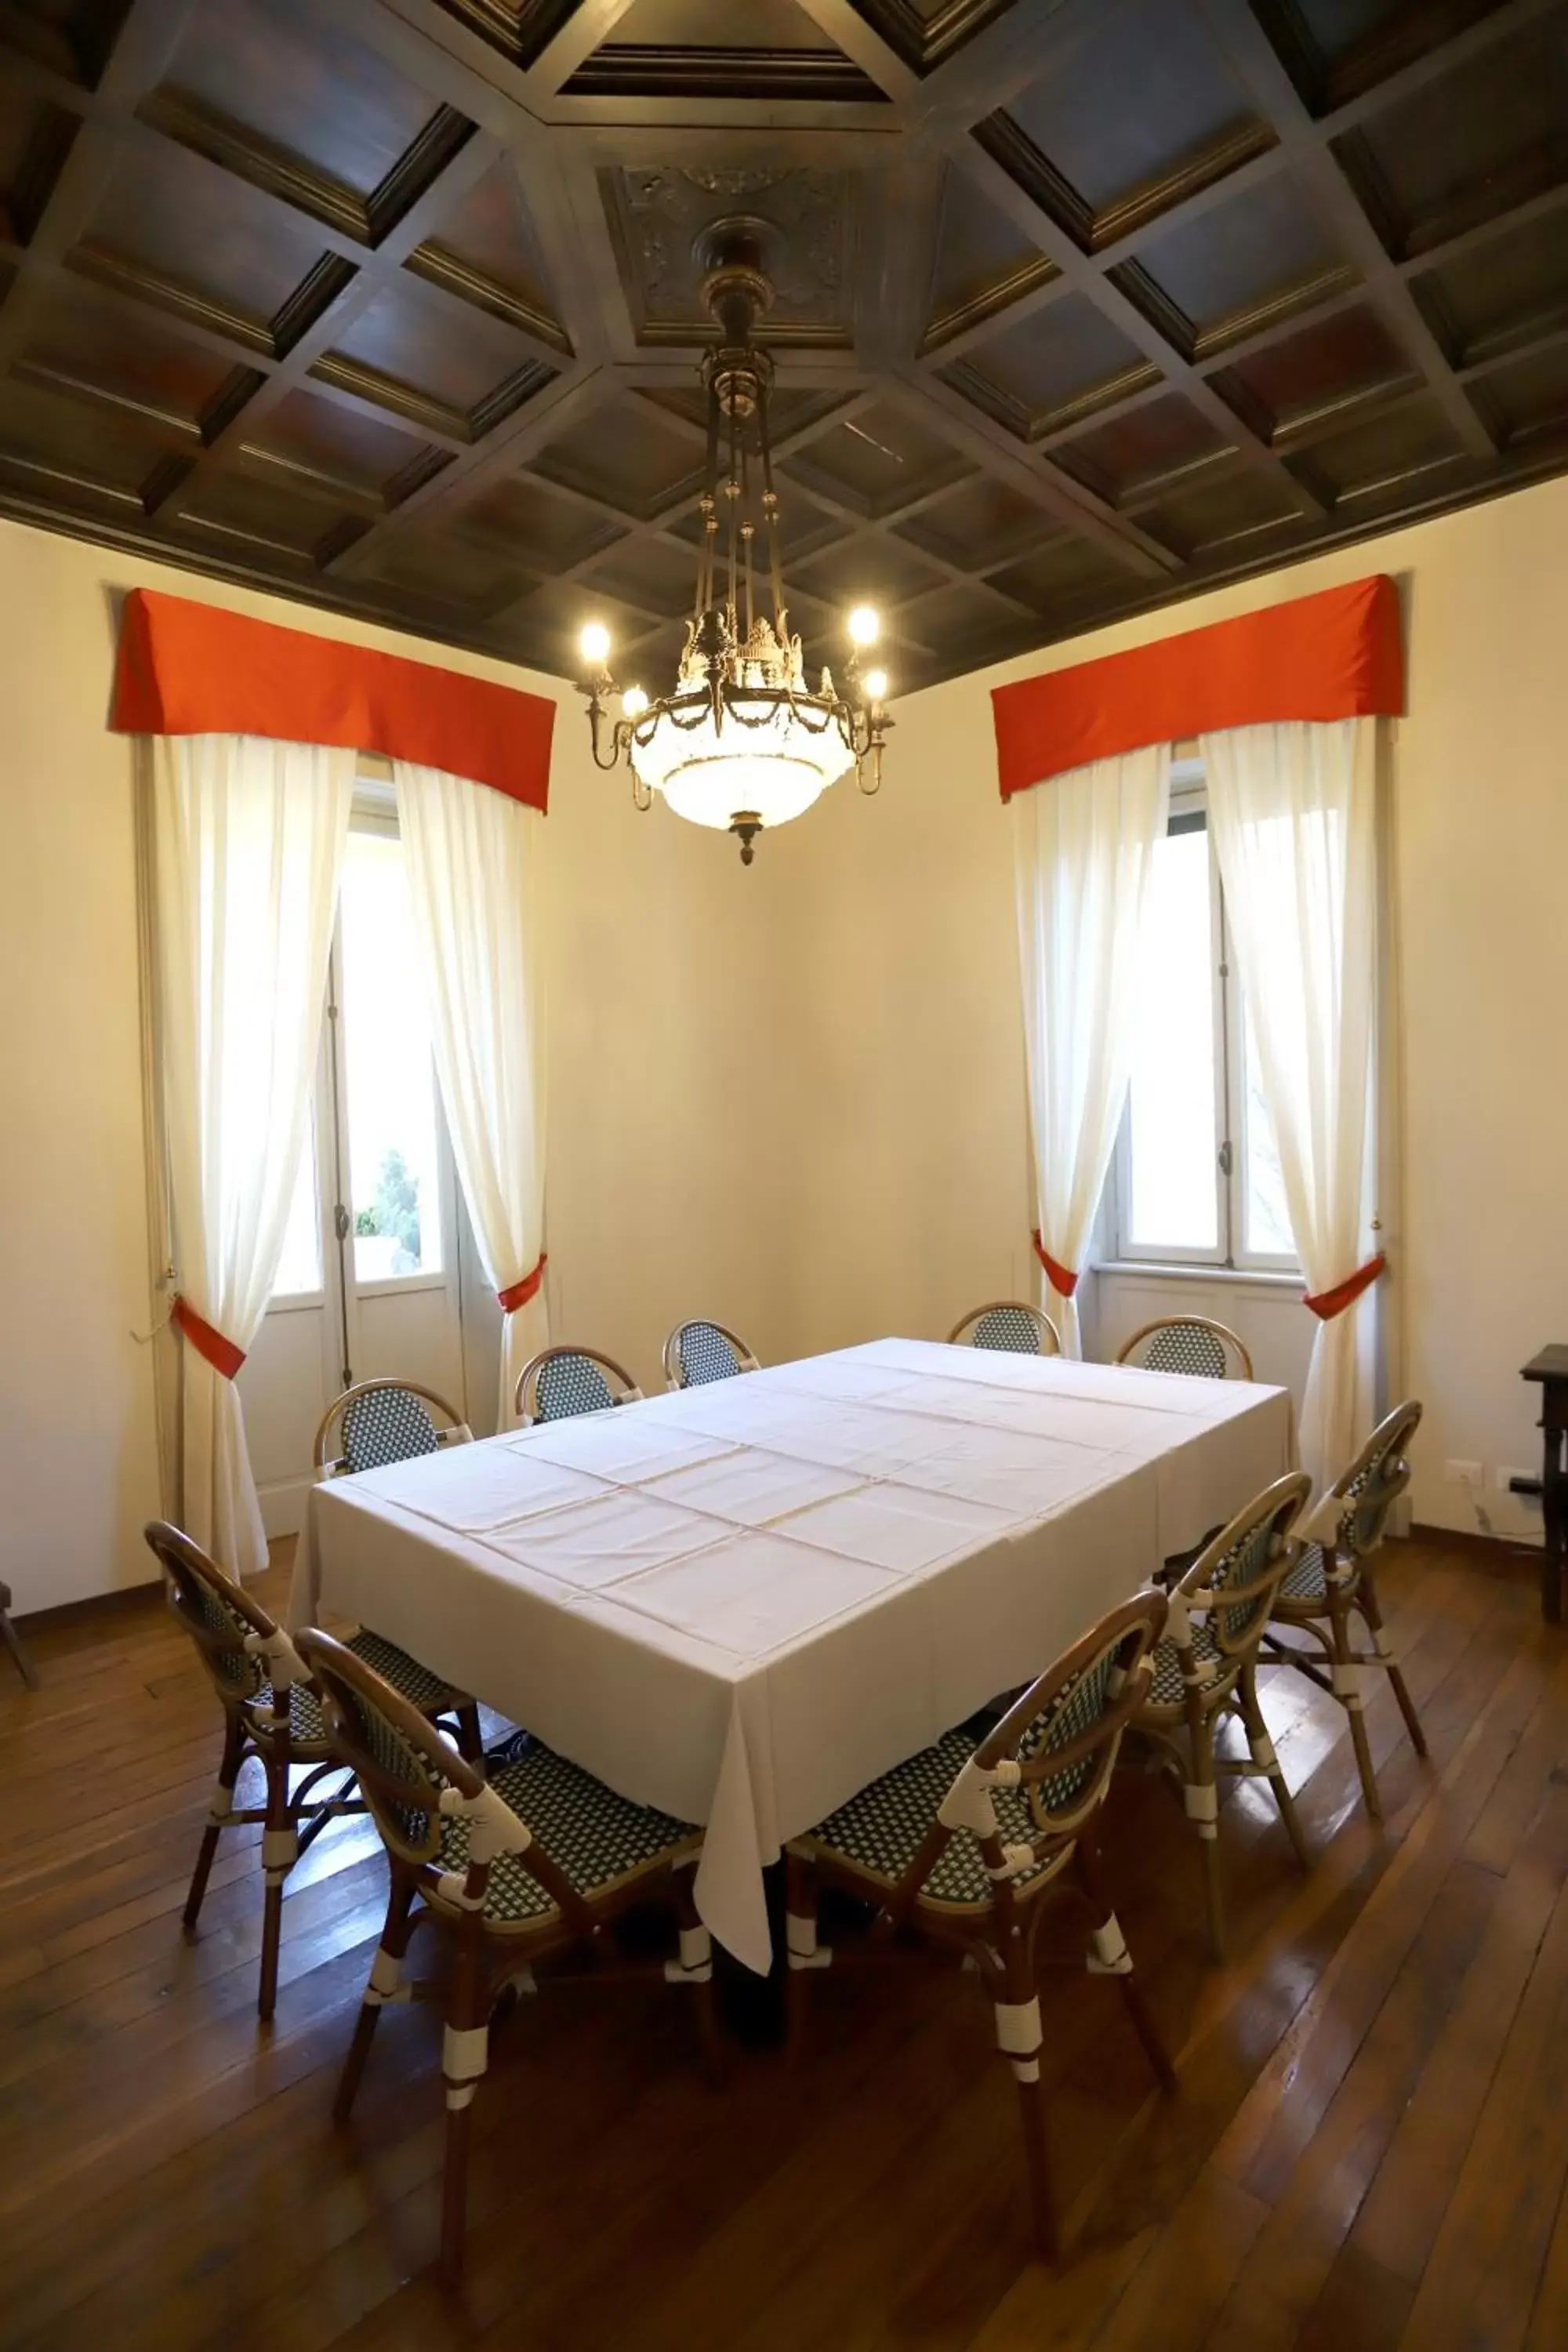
pixel 1368 2149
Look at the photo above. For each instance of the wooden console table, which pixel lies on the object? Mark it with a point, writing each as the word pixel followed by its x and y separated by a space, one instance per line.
pixel 1551 1368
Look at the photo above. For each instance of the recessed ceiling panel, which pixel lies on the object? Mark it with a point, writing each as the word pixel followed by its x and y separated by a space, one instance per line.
pixel 984 261
pixel 1064 362
pixel 705 48
pixel 1144 109
pixel 1237 267
pixel 878 460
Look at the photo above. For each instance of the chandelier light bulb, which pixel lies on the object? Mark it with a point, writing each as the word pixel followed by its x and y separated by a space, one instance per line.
pixel 634 702
pixel 865 627
pixel 876 685
pixel 594 645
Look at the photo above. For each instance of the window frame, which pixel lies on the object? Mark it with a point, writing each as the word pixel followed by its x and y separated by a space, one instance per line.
pixel 1229 1256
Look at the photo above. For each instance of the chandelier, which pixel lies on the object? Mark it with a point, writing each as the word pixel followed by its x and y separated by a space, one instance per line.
pixel 743 742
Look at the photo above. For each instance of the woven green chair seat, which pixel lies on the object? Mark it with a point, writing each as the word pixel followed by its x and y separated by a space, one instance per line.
pixel 306 1728
pixel 412 1681
pixel 1308 1579
pixel 881 1828
pixel 1168 1688
pixel 595 1837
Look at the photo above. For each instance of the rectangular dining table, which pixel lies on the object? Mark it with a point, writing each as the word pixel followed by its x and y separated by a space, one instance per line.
pixel 742 1602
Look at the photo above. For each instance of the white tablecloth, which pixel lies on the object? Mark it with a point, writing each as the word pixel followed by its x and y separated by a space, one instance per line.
pixel 744 1602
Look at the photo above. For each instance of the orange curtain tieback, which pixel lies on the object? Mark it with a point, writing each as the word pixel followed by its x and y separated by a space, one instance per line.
pixel 209 1342
pixel 529 1288
pixel 1062 1281
pixel 1329 1303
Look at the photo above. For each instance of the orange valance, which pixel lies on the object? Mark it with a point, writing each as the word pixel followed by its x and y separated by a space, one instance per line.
pixel 186 669
pixel 1335 655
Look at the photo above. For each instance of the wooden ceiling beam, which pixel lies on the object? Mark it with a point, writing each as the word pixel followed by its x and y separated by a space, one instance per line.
pixel 1305 144
pixel 1127 321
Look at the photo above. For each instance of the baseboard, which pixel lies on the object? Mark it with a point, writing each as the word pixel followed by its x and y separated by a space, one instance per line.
pixel 131 1599
pixel 1498 1551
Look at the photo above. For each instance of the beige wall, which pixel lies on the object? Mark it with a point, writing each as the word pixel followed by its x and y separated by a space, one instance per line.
pixel 662 1066
pixel 909 1146
pixel 793 1096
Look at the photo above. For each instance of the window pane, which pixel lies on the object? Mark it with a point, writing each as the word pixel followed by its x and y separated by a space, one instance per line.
pixel 300 1268
pixel 1266 1222
pixel 394 1191
pixel 1171 1101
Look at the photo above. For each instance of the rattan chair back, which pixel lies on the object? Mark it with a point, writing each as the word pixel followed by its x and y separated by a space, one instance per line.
pixel 559 1383
pixel 400 1759
pixel 1065 1730
pixel 1375 1480
pixel 1237 1576
pixel 1193 1344
pixel 382 1421
pixel 699 1351
pixel 216 1611
pixel 1010 1325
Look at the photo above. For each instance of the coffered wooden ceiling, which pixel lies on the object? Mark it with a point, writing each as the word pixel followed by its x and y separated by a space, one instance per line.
pixel 391 305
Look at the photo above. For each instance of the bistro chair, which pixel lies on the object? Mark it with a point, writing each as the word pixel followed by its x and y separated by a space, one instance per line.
pixel 13 1641
pixel 562 1381
pixel 1193 1344
pixel 539 1859
pixel 369 1427
pixel 1332 1582
pixel 957 1846
pixel 1009 1324
pixel 1206 1666
pixel 270 1712
pixel 698 1352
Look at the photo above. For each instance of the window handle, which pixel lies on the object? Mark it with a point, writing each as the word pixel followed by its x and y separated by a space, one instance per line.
pixel 340 1221
pixel 1225 1157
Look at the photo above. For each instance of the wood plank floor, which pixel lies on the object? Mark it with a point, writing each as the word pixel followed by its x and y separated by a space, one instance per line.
pixel 1368 2150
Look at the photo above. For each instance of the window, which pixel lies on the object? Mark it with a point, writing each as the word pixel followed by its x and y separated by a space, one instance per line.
pixel 1195 1176
pixel 378 1121
pixel 389 1078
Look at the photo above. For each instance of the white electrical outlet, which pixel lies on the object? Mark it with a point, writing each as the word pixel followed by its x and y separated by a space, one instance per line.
pixel 1464 1474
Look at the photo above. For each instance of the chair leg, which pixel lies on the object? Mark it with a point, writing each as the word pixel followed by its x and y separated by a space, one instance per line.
pixel 1345 1674
pixel 386 1984
pixel 1395 1672
pixel 471 1739
pixel 280 1849
pixel 13 1641
pixel 803 1953
pixel 695 1969
pixel 1201 1797
pixel 465 2054
pixel 1262 1751
pixel 1109 1955
pixel 1016 2004
pixel 221 1807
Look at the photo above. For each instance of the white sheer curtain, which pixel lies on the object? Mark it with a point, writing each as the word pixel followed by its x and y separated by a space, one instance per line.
pixel 473 872
pixel 247 841
pixel 1293 806
pixel 1083 848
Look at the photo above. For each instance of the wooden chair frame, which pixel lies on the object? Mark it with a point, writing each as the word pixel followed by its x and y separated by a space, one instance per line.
pixel 999 1936
pixel 525 1394
pixel 1222 1331
pixel 1350 1523
pixel 671 1358
pixel 1182 1737
pixel 1037 1315
pixel 291 1819
pixel 487 1957
pixel 455 1433
pixel 13 1641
